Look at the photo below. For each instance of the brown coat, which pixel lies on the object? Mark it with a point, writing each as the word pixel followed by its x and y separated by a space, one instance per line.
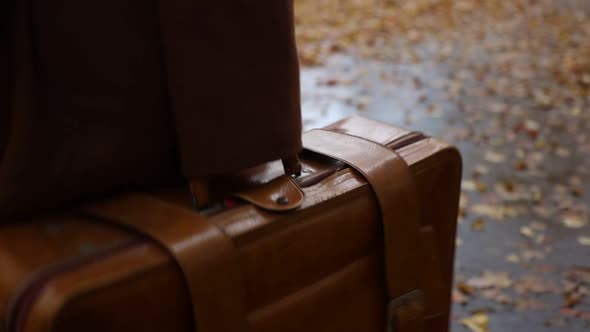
pixel 121 94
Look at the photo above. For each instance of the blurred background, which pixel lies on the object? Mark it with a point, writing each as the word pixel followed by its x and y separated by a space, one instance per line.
pixel 507 82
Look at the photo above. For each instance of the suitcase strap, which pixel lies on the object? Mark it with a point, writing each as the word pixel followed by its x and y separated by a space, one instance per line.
pixel 392 182
pixel 206 256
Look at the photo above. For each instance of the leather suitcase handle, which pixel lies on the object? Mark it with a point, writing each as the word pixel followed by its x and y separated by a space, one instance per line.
pixel 201 188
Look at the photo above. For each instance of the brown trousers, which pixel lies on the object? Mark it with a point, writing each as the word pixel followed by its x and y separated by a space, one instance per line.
pixel 111 95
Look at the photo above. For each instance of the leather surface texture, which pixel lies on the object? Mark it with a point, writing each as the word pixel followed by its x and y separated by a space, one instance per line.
pixel 329 264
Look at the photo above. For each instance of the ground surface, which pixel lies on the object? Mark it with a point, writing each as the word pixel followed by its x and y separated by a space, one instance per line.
pixel 506 81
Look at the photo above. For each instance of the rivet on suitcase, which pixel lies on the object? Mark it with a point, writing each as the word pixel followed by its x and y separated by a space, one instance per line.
pixel 363 240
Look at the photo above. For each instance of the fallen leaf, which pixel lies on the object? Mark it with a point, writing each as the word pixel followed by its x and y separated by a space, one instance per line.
pixel 538 226
pixel 520 165
pixel 573 220
pixel 481 187
pixel 497 296
pixel 542 98
pixel 577 192
pixel 529 255
pixel 569 312
pixel 465 288
pixel 510 191
pixel 481 169
pixel 468 185
pixel 459 297
pixel 573 298
pixel 491 279
pixel 334 82
pixel 363 102
pixel 494 157
pixel 477 323
pixel 579 274
pixel 563 152
pixel 534 284
pixel 435 110
pixel 478 225
pixel 513 258
pixel 497 212
pixel 498 107
pixel 584 240
pixel 527 231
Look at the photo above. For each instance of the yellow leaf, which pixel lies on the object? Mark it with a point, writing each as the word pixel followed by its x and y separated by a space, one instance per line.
pixel 513 258
pixel 490 279
pixel 478 225
pixel 477 323
pixel 468 185
pixel 458 241
pixel 572 220
pixel 527 231
pixel 494 157
pixel 584 240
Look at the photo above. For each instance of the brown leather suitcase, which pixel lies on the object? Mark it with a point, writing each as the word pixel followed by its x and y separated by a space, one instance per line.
pixel 359 242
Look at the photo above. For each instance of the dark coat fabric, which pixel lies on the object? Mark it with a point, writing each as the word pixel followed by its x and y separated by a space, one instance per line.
pixel 116 95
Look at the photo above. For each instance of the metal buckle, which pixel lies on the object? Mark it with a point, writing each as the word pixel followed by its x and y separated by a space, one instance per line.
pixel 406 313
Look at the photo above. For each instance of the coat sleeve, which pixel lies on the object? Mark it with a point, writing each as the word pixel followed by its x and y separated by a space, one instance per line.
pixel 107 95
pixel 233 77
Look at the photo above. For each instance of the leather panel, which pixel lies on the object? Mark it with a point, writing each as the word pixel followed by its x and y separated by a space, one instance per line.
pixel 350 300
pixel 307 246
